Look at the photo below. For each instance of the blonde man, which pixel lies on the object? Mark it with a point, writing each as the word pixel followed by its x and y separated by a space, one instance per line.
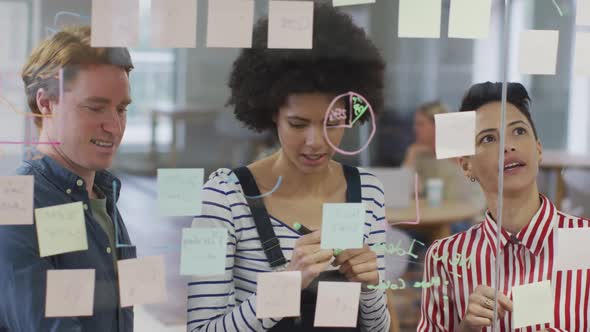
pixel 85 112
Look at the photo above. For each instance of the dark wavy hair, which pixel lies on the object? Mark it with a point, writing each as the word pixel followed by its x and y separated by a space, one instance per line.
pixel 488 92
pixel 342 59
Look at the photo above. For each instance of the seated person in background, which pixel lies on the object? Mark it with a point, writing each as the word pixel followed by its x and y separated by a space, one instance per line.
pixel 88 121
pixel 288 92
pixel 421 157
pixel 464 301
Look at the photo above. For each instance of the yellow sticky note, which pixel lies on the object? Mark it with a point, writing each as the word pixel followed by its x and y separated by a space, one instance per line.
pixel 229 23
pixel 16 200
pixel 419 18
pixel 337 3
pixel 454 134
pixel 115 23
pixel 533 304
pixel 61 229
pixel 582 54
pixel 583 12
pixel 142 281
pixel 470 19
pixel 337 304
pixel 538 52
pixel 278 294
pixel 290 24
pixel 70 293
pixel 174 23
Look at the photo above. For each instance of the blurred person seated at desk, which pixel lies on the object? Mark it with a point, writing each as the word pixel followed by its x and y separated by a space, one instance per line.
pixel 88 119
pixel 288 92
pixel 464 300
pixel 421 157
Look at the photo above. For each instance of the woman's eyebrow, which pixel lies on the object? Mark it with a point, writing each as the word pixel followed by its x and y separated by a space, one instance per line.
pixel 487 130
pixel 294 117
pixel 517 122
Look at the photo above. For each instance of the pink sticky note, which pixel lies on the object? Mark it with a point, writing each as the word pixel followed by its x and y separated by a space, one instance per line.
pixel 337 304
pixel 278 294
pixel 70 293
pixel 174 23
pixel 290 24
pixel 229 23
pixel 115 23
pixel 16 200
pixel 142 281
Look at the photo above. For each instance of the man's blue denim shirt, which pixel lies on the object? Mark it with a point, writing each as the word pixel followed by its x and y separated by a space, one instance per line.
pixel 23 272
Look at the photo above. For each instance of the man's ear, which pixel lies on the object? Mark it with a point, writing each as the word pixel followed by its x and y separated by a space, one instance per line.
pixel 44 102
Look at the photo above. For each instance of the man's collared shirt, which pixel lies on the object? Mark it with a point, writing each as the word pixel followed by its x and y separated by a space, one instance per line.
pixel 23 272
pixel 466 260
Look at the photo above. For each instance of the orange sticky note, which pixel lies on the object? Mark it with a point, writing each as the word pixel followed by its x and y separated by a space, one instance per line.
pixel 142 281
pixel 70 293
pixel 278 294
pixel 337 304
pixel 16 200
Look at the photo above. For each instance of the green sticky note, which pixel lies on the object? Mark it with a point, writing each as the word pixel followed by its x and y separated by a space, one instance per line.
pixel 203 251
pixel 343 225
pixel 179 191
pixel 61 229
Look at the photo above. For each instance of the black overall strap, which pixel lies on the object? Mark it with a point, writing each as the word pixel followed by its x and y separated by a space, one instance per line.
pixel 268 238
pixel 353 184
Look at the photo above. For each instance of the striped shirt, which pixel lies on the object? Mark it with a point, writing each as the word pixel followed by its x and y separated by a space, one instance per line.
pixel 228 302
pixel 463 261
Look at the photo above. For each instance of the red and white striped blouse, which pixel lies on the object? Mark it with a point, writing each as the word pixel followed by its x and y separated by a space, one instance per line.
pixel 463 261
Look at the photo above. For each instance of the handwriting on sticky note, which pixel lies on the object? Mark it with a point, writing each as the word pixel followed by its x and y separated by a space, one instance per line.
pixel 229 23
pixel 337 304
pixel 203 251
pixel 538 52
pixel 470 19
pixel 532 304
pixel 419 18
pixel 179 191
pixel 290 24
pixel 569 249
pixel 115 23
pixel 342 225
pixel 142 280
pixel 16 200
pixel 174 23
pixel 61 229
pixel 70 293
pixel 455 134
pixel 338 3
pixel 278 294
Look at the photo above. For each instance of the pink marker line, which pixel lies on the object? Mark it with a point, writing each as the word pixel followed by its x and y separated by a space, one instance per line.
pixel 417 221
pixel 30 143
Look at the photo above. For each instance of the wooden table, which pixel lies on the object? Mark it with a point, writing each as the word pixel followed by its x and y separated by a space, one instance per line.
pixel 436 221
pixel 555 161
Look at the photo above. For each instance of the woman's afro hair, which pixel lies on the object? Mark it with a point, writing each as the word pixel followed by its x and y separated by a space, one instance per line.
pixel 342 59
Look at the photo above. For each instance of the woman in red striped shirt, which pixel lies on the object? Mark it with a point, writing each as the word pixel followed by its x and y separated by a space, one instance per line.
pixel 461 267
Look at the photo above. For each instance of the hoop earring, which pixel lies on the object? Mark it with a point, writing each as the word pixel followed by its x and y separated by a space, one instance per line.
pixel 472 179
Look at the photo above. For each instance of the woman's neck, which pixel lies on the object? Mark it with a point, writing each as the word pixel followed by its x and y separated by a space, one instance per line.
pixel 517 209
pixel 298 183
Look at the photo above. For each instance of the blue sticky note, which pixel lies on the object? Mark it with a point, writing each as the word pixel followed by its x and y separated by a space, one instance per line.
pixel 343 225
pixel 179 191
pixel 203 251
